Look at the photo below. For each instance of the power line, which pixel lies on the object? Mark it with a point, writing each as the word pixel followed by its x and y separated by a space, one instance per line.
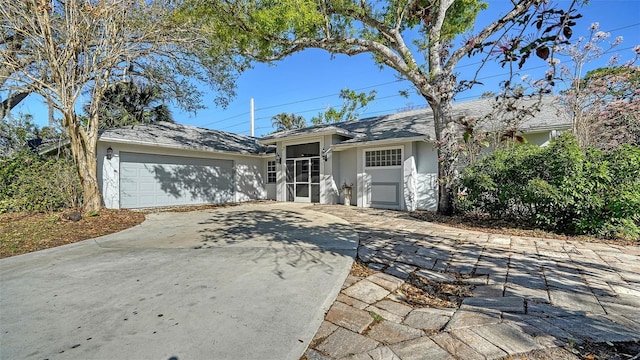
pixel 325 96
pixel 226 119
pixel 385 84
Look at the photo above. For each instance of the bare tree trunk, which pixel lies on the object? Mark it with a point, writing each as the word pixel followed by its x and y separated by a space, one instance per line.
pixel 439 96
pixel 447 158
pixel 83 149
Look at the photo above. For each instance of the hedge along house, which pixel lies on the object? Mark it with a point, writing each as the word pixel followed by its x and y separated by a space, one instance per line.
pixel 384 162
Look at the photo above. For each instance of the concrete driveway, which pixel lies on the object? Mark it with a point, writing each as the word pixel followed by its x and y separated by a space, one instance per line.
pixel 244 282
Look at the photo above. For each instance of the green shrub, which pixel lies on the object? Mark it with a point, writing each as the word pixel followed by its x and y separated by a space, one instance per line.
pixel 33 183
pixel 559 188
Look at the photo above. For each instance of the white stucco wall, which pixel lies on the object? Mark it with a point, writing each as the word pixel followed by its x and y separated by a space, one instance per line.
pixel 109 177
pixel 329 192
pixel 427 180
pixel 250 171
pixel 250 179
pixel 347 172
pixel 539 138
pixel 333 176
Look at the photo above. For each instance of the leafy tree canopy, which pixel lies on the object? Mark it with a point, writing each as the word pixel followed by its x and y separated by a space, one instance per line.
pixel 129 104
pixel 284 121
pixel 413 37
pixel 65 49
pixel 353 103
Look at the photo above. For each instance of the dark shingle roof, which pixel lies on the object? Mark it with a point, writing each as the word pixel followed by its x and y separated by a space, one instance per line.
pixel 419 123
pixel 185 137
pixel 404 125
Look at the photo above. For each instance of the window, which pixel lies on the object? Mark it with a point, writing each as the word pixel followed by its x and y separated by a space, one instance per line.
pixel 271 172
pixel 387 157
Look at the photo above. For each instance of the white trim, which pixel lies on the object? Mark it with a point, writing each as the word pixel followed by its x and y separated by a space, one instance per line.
pixel 403 141
pixel 274 172
pixel 190 148
pixel 303 136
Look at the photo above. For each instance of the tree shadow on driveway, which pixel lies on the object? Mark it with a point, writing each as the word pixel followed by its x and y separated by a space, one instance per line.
pixel 290 238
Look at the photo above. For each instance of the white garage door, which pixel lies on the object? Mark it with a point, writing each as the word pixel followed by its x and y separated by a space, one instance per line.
pixel 384 175
pixel 159 180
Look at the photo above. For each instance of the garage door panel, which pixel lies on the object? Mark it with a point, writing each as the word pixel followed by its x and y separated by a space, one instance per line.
pixel 159 180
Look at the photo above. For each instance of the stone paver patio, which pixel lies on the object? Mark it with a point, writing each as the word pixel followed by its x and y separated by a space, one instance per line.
pixel 530 293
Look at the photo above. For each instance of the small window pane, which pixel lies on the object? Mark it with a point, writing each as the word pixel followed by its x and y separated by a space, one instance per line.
pixel 271 172
pixel 388 157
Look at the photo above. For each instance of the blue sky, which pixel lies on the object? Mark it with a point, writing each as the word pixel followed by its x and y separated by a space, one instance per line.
pixel 308 82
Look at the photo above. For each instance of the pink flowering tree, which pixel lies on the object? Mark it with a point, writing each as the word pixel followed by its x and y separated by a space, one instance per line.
pixel 603 103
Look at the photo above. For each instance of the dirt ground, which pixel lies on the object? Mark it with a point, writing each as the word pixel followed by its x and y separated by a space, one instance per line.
pixel 22 233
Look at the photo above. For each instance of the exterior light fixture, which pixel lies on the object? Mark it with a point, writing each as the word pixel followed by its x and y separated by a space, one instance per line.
pixel 278 158
pixel 325 154
pixel 109 153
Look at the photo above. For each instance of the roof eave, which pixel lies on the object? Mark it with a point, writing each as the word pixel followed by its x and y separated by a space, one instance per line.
pixel 54 147
pixel 305 135
pixel 545 128
pixel 340 147
pixel 171 146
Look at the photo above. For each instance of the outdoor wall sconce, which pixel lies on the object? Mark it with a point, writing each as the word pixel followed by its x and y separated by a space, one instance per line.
pixel 278 158
pixel 325 154
pixel 109 153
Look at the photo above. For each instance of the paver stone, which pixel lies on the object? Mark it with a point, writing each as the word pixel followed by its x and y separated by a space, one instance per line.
pixel 382 353
pixel 512 304
pixel 394 307
pixel 388 332
pixel 385 314
pixel 400 270
pixel 417 260
pixel 575 301
pixel 465 318
pixel 312 354
pixel 420 349
pixel 436 276
pixel 351 301
pixel 479 344
pixel 456 347
pixel 428 319
pixel 508 338
pixel 349 317
pixel 366 291
pixel 325 329
pixel 344 342
pixel 389 282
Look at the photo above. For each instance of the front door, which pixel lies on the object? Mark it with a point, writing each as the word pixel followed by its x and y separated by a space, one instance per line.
pixel 303 179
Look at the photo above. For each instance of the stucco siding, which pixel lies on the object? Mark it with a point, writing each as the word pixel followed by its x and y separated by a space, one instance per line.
pixel 348 173
pixel 250 179
pixel 539 138
pixel 427 182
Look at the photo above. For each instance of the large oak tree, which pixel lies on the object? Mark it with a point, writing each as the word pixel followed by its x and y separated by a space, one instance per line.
pixel 73 50
pixel 413 37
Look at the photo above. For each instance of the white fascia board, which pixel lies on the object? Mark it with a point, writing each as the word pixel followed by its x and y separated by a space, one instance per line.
pixel 305 135
pixel 171 146
pixel 542 129
pixel 340 147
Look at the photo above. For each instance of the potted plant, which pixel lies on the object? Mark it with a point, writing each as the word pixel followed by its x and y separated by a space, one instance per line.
pixel 347 190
